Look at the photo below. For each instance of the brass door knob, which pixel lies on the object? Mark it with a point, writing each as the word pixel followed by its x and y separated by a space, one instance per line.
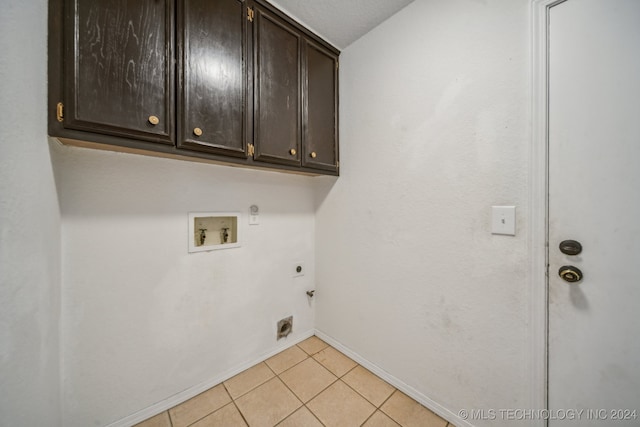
pixel 313 155
pixel 293 151
pixel 570 273
pixel 197 132
pixel 154 120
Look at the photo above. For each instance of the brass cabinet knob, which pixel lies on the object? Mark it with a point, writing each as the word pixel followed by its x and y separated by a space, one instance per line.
pixel 197 132
pixel 293 151
pixel 154 120
pixel 313 155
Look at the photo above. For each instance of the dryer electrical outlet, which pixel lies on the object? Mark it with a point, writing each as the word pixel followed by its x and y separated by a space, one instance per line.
pixel 298 269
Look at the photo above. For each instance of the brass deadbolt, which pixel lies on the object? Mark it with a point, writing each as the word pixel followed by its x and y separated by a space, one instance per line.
pixel 197 132
pixel 154 120
pixel 570 273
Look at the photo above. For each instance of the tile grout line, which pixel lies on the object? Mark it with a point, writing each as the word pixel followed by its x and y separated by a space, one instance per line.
pixel 314 415
pixel 385 401
pixel 240 412
pixel 338 378
pixel 313 397
pixel 272 371
pixel 311 355
pixel 233 400
pixel 250 390
pixel 364 397
pixel 369 417
pixel 235 404
pixel 286 386
pixel 303 404
pixel 212 412
pixel 292 366
pixel 280 379
pixel 307 355
pixel 345 374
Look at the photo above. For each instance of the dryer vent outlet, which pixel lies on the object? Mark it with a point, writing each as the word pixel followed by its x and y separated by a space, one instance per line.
pixel 285 326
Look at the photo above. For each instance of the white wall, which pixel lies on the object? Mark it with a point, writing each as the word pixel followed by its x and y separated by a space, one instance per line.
pixel 144 320
pixel 29 225
pixel 434 130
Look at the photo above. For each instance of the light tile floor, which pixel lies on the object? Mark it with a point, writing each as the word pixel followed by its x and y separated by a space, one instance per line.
pixel 310 384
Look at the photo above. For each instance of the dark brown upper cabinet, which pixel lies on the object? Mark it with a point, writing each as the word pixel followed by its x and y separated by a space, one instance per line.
pixel 212 77
pixel 295 95
pixel 320 108
pixel 224 81
pixel 118 68
pixel 277 89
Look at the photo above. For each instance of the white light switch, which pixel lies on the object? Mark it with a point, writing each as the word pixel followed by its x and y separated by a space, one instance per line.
pixel 254 219
pixel 503 220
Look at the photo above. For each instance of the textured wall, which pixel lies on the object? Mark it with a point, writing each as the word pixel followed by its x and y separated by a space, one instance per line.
pixel 144 320
pixel 434 131
pixel 29 225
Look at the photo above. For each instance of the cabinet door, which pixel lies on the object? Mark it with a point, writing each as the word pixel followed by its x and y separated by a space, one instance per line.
pixel 213 84
pixel 118 68
pixel 277 89
pixel 320 112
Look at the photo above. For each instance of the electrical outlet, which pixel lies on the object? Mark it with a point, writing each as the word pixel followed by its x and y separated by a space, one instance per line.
pixel 298 269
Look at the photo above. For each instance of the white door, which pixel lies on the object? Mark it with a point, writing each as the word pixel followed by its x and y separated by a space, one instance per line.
pixel 594 198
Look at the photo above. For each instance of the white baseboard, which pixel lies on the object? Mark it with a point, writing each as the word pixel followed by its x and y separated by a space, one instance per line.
pixel 400 385
pixel 185 395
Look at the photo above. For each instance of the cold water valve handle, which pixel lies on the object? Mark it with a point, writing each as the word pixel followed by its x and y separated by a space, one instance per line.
pixel 203 236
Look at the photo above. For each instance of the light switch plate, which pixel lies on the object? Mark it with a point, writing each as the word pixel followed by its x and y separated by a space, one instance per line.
pixel 254 218
pixel 503 220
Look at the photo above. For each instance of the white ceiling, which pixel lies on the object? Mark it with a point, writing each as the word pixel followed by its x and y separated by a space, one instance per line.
pixel 340 22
